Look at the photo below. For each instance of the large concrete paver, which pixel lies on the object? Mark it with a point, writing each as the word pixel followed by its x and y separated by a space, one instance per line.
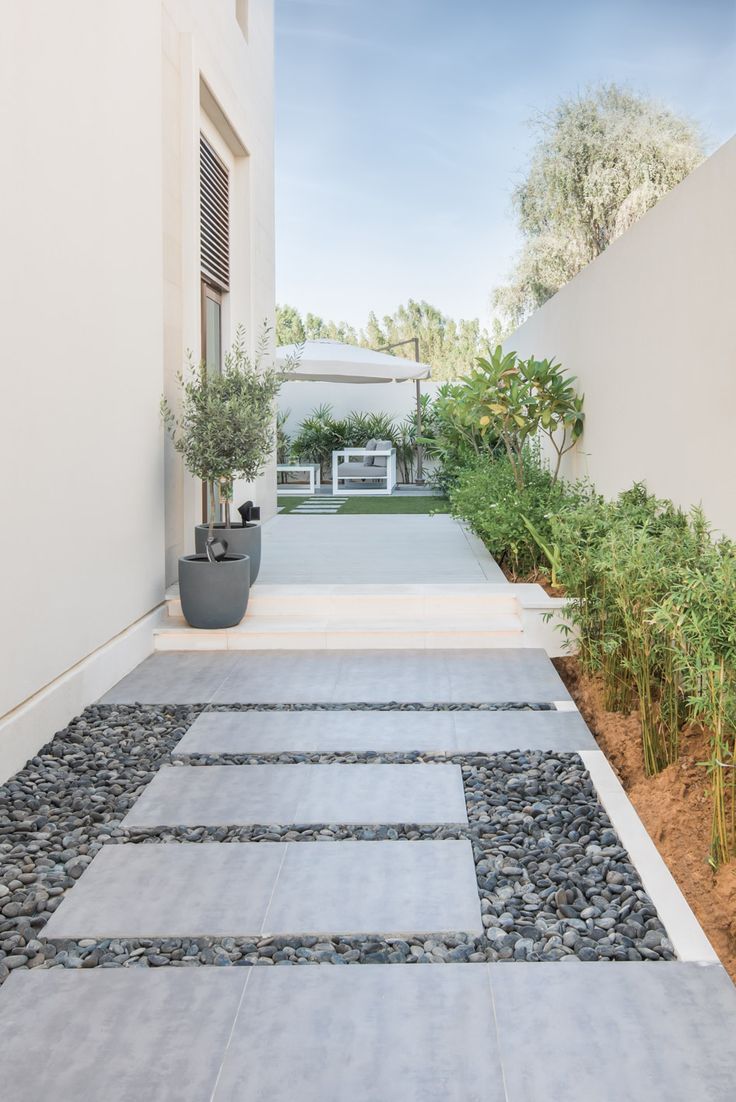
pixel 489 732
pixel 116 1035
pixel 233 889
pixel 375 1033
pixel 616 1032
pixel 221 795
pixel 515 1032
pixel 353 548
pixel 513 675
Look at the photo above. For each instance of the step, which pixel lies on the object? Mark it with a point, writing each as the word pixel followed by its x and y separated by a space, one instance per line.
pixel 375 601
pixel 307 633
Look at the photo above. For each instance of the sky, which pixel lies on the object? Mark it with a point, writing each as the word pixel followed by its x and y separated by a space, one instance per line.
pixel 402 127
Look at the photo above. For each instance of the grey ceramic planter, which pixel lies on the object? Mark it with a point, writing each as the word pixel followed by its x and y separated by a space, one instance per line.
pixel 214 594
pixel 240 541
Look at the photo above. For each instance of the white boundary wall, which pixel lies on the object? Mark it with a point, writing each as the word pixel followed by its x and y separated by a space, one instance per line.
pixel 649 329
pixel 396 399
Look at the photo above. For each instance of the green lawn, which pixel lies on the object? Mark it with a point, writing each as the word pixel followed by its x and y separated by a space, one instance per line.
pixel 402 504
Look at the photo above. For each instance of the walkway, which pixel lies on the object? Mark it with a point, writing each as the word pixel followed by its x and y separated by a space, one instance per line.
pixel 368 875
pixel 373 548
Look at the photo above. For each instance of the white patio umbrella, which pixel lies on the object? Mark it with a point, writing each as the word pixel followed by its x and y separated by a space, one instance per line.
pixel 334 362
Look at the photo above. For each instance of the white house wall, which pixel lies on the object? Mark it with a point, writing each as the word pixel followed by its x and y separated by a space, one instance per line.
pixel 99 285
pixel 648 329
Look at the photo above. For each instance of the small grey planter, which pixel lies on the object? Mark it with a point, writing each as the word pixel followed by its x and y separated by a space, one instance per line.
pixel 240 541
pixel 214 595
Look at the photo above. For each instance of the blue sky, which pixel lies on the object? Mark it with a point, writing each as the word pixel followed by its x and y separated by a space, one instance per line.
pixel 402 127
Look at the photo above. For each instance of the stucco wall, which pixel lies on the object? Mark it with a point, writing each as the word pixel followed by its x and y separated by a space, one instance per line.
pixel 99 284
pixel 81 292
pixel 649 330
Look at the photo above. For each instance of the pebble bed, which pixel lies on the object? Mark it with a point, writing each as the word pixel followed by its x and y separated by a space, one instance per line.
pixel 553 879
pixel 388 706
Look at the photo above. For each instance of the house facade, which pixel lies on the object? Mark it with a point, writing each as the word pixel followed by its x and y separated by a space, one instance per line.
pixel 137 225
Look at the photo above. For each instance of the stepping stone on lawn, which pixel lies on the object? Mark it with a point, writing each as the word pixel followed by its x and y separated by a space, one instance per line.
pixel 248 888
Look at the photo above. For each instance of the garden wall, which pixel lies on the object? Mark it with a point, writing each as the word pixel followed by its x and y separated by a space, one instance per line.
pixel 649 329
pixel 396 399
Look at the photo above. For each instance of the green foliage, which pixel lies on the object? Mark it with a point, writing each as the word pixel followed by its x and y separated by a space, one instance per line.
pixel 449 346
pixel 225 425
pixel 519 399
pixel 698 617
pixel 602 160
pixel 487 496
pixel 320 434
pixel 283 440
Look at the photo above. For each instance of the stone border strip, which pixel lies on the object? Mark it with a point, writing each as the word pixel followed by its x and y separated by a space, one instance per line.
pixel 683 928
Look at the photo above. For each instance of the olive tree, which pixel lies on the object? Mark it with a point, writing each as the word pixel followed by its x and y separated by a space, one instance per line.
pixel 225 426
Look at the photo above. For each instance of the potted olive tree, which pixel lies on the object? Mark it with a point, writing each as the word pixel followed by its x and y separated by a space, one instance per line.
pixel 224 431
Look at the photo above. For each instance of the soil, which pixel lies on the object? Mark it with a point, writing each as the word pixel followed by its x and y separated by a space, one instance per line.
pixel 539 579
pixel 674 807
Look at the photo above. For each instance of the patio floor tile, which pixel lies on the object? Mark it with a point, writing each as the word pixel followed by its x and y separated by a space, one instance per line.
pixel 393 731
pixel 392 888
pixel 116 1035
pixel 621 1032
pixel 498 732
pixel 171 890
pixel 513 674
pixel 222 795
pixel 346 887
pixel 184 677
pixel 371 1034
pixel 274 732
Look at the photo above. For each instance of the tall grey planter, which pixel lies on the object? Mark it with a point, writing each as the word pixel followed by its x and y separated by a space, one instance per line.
pixel 214 595
pixel 240 541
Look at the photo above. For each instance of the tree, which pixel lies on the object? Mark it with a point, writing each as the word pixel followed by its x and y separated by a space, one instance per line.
pixel 602 160
pixel 225 429
pixel 450 346
pixel 289 326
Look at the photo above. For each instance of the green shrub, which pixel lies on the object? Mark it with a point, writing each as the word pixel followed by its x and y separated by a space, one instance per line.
pixel 487 496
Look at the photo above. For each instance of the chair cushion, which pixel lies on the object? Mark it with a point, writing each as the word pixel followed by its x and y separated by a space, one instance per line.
pixel 370 446
pixel 359 470
pixel 382 460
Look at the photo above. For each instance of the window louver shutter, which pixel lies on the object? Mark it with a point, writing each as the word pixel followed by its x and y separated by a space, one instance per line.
pixel 214 216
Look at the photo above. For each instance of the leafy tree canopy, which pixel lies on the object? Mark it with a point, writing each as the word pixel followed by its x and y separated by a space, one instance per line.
pixel 602 160
pixel 450 346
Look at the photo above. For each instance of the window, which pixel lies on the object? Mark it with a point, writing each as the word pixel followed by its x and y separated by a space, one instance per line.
pixel 214 217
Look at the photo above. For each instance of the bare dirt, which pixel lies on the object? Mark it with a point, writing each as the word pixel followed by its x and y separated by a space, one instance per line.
pixel 674 807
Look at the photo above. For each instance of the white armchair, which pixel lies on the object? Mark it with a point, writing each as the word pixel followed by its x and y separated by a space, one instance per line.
pixel 376 462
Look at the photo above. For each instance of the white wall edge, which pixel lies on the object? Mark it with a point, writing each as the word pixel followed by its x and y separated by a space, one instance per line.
pixel 683 928
pixel 35 722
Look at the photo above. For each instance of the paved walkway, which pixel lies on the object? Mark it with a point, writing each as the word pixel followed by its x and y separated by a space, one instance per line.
pixel 341 808
pixel 373 548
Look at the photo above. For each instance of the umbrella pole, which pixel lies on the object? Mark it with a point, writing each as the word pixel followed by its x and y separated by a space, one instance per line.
pixel 419 480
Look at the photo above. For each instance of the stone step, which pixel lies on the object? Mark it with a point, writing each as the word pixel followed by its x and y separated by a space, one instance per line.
pixel 244 795
pixel 355 633
pixel 483 732
pixel 375 602
pixel 391 888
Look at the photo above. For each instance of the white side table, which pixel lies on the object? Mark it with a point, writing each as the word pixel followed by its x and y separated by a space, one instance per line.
pixel 312 471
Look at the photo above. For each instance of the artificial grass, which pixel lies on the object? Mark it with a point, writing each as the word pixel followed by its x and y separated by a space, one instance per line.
pixel 399 504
